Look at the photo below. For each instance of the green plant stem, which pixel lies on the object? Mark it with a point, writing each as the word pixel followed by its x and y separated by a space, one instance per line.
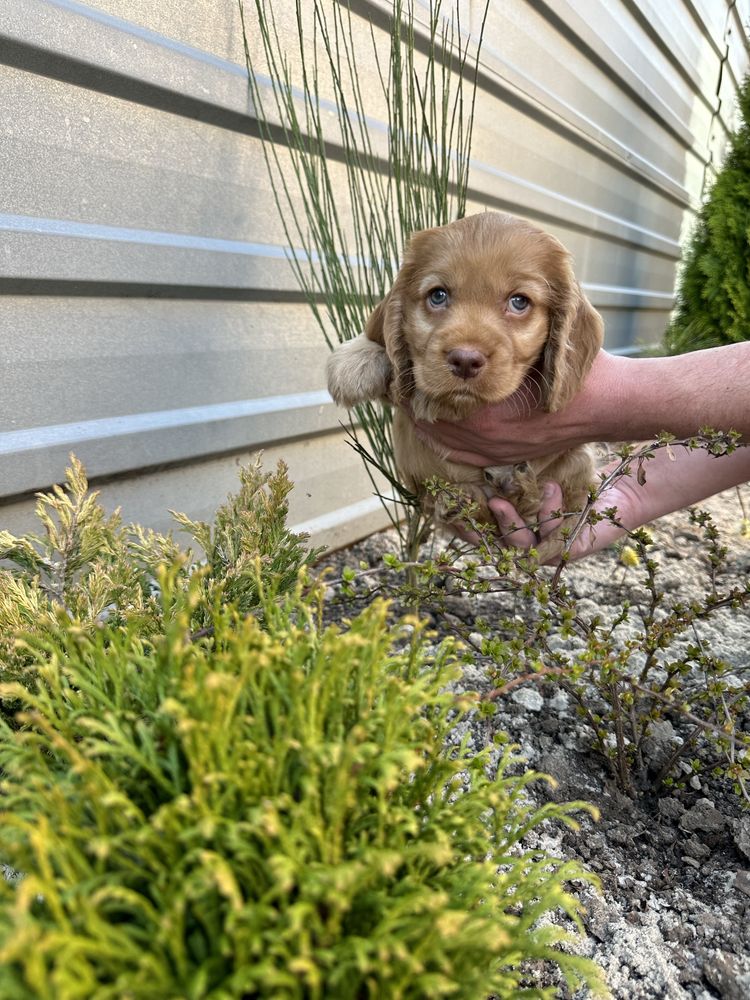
pixel 414 179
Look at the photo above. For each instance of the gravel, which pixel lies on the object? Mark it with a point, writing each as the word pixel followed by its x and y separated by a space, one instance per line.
pixel 673 918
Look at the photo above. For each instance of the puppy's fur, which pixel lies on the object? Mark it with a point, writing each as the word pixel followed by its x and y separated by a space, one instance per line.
pixel 477 305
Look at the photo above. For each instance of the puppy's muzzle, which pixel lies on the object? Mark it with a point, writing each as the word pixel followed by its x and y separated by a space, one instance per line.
pixel 465 362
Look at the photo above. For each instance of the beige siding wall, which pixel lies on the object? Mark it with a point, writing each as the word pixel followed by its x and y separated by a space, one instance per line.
pixel 148 318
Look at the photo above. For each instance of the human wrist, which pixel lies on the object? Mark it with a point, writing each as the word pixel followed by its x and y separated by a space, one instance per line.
pixel 624 399
pixel 596 412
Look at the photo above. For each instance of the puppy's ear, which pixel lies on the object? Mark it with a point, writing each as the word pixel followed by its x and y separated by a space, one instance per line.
pixel 375 325
pixel 576 332
pixel 386 326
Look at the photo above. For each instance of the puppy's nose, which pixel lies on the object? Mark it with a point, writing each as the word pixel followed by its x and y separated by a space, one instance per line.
pixel 465 362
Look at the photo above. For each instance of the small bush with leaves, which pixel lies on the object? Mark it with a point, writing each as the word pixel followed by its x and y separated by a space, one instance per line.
pixel 86 567
pixel 626 671
pixel 271 810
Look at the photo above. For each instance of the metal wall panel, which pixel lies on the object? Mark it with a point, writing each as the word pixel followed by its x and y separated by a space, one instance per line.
pixel 149 320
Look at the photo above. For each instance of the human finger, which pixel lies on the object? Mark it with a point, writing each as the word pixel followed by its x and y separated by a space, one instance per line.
pixel 512 529
pixel 461 531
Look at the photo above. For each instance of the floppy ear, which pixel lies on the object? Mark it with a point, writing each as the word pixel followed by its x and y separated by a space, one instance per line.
pixel 385 326
pixel 576 332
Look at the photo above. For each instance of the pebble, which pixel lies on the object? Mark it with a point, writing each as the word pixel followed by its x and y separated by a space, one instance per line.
pixel 559 702
pixel 528 698
pixel 671 808
pixel 660 742
pixel 742 882
pixel 600 918
pixel 695 849
pixel 703 816
pixel 723 973
pixel 620 835
pixel 741 833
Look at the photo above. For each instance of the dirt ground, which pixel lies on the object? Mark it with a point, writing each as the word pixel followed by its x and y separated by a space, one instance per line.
pixel 673 920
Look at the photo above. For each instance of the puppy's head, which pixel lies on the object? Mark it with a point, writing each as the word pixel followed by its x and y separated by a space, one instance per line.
pixel 475 306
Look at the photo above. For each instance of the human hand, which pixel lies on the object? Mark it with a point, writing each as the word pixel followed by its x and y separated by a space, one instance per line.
pixel 675 477
pixel 518 429
pixel 513 533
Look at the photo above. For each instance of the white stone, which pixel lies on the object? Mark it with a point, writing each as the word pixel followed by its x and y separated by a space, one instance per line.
pixel 559 702
pixel 529 698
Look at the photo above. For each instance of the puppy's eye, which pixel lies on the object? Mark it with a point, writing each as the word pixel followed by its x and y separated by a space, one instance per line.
pixel 518 304
pixel 437 298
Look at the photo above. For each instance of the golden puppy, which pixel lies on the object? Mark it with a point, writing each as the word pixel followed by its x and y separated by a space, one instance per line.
pixel 477 305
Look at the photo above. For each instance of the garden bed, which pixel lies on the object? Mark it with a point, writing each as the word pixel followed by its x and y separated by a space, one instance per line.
pixel 673 919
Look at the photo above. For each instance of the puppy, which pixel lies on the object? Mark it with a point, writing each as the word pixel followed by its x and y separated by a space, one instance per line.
pixel 477 306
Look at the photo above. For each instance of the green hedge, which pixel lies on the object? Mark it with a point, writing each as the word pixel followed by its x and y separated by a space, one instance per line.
pixel 713 299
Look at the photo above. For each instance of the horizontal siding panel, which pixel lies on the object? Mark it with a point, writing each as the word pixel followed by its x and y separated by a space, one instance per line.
pixel 42 249
pixel 331 494
pixel 129 166
pixel 561 91
pixel 672 30
pixel 711 18
pixel 618 297
pixel 36 456
pixel 607 35
pixel 87 358
pixel 179 70
pixel 630 331
pixel 736 39
pixel 125 383
pixel 117 179
pixel 69 39
pixel 522 195
pixel 494 186
pixel 53 250
pixel 57 250
pixel 116 47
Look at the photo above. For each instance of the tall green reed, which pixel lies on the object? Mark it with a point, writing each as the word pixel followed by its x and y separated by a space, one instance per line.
pixel 403 174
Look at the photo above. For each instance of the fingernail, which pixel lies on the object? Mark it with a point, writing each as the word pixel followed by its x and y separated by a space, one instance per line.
pixel 548 490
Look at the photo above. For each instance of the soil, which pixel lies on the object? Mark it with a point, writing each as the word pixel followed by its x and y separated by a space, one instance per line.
pixel 673 917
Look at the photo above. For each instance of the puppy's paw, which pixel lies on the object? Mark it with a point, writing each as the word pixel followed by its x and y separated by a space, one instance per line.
pixel 517 483
pixel 358 370
pixel 503 478
pixel 448 510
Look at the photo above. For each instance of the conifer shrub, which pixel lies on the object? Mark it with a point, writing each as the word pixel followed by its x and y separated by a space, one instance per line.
pixel 271 810
pixel 86 567
pixel 205 793
pixel 713 298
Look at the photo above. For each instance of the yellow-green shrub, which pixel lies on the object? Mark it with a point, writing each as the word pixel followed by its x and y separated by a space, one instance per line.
pixel 268 811
pixel 85 566
pixel 210 795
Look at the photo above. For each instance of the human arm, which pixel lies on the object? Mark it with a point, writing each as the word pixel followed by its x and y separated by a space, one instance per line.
pixel 621 399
